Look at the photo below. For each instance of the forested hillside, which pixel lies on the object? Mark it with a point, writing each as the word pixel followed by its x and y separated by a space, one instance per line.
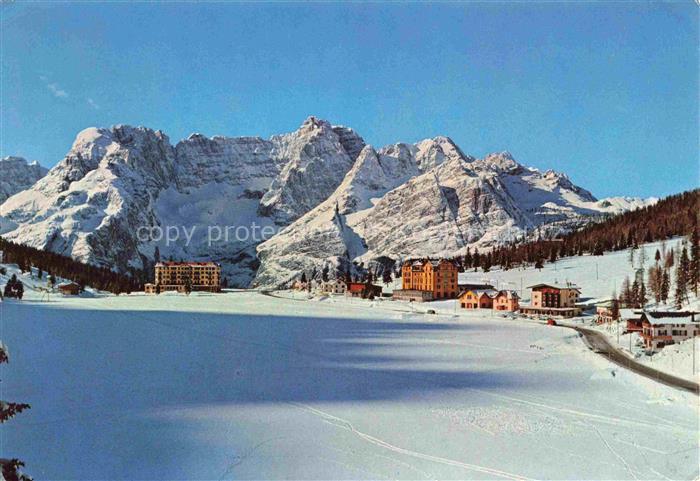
pixel 49 263
pixel 672 216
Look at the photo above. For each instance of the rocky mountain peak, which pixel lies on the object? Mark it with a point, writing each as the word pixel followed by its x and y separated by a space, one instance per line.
pixel 501 161
pixel 435 151
pixel 314 125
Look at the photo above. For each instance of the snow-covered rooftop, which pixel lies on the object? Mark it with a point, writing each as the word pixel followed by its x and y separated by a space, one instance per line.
pixel 671 317
pixel 555 286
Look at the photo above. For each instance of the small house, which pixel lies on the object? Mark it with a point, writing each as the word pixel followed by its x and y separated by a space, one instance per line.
pixel 506 300
pixel 503 300
pixel 477 298
pixel 363 290
pixel 632 318
pixel 604 313
pixel 660 329
pixel 69 288
pixel 333 286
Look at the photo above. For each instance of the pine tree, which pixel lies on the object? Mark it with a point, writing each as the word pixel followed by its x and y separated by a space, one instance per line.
pixel 626 293
pixel 655 279
pixel 642 257
pixel 670 259
pixel 615 307
pixel 633 248
pixel 665 285
pixel 694 277
pixel 682 271
pixel 642 301
pixel 538 263
pixel 634 296
pixel 324 274
pixel 303 277
pixel 657 256
pixel 14 288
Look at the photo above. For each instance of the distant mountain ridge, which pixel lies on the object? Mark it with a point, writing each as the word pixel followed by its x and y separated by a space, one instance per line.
pixel 335 199
pixel 16 175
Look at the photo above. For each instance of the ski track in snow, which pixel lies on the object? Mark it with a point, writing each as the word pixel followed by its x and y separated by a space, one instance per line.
pixel 344 424
pixel 615 453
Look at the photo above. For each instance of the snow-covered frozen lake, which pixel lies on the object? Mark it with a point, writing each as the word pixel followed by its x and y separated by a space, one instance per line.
pixel 242 385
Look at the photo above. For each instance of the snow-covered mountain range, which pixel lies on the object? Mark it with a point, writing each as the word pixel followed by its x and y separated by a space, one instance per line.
pixel 269 208
pixel 16 174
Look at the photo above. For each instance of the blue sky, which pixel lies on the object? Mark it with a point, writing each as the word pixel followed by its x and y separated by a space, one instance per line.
pixel 607 92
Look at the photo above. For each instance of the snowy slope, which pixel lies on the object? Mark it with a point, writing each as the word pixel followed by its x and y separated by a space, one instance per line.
pixel 597 276
pixel 119 192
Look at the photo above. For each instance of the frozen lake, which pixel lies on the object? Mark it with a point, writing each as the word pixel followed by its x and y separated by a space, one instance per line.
pixel 245 386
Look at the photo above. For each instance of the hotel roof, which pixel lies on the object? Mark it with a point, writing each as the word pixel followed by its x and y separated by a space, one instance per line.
pixel 179 263
pixel 671 317
pixel 555 286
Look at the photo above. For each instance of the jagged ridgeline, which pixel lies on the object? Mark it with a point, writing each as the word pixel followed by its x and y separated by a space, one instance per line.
pixel 324 198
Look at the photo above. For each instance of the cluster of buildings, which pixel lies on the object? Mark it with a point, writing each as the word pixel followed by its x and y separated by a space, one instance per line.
pixel 364 290
pixel 185 277
pixel 486 297
pixel 427 280
pixel 657 329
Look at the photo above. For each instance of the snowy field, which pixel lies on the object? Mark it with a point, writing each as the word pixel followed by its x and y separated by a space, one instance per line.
pixel 246 386
pixel 597 276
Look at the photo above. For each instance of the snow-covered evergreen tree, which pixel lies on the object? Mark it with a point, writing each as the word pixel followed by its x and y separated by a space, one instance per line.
pixel 682 277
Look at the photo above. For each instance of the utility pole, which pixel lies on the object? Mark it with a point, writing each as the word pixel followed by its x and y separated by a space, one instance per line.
pixel 596 270
pixel 630 335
